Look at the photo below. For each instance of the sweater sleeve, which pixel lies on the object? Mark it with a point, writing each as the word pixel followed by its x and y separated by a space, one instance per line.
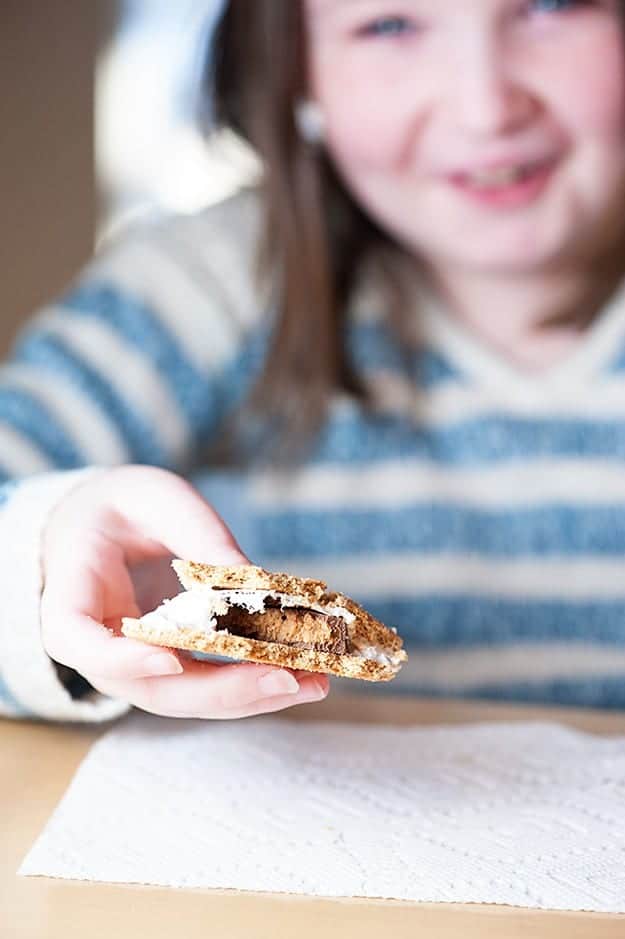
pixel 31 685
pixel 135 363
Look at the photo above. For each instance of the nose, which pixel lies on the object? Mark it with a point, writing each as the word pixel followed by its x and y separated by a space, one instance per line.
pixel 486 96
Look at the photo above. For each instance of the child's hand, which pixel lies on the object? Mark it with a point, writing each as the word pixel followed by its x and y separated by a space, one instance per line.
pixel 106 555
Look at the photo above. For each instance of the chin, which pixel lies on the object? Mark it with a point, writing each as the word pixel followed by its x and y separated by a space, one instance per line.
pixel 528 251
pixel 508 263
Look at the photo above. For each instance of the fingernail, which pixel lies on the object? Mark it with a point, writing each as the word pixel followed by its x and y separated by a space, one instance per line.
pixel 162 664
pixel 277 683
pixel 314 692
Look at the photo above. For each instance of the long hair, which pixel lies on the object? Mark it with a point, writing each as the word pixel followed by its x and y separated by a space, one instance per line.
pixel 315 237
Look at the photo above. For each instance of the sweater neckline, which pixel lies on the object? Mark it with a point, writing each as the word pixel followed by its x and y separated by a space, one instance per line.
pixel 480 361
pixel 482 364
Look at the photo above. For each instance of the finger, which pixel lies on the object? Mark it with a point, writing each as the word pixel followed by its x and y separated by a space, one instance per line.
pixel 170 511
pixel 73 634
pixel 206 690
pixel 311 693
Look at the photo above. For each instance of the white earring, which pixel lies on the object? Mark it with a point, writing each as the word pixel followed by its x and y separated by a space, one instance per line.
pixel 309 121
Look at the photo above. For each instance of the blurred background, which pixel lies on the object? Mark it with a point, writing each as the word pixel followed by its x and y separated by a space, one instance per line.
pixel 100 112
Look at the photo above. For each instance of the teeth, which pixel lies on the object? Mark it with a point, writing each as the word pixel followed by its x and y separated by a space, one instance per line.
pixel 501 177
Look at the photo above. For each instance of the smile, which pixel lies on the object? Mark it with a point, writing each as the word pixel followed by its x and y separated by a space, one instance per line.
pixel 509 186
pixel 504 176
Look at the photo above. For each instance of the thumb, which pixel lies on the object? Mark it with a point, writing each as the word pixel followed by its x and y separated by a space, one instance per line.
pixel 169 510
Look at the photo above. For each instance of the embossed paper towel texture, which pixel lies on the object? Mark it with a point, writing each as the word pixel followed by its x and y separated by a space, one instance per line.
pixel 525 814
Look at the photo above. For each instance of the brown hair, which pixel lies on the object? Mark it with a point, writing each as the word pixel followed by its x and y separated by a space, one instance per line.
pixel 314 233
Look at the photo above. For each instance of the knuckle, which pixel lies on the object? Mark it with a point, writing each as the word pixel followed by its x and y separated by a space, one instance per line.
pixel 131 489
pixel 112 686
pixel 146 694
pixel 232 695
pixel 136 473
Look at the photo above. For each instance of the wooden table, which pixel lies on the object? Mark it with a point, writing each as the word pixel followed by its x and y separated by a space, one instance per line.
pixel 37 762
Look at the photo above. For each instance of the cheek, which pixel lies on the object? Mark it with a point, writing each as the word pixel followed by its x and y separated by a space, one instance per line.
pixel 363 141
pixel 367 124
pixel 591 102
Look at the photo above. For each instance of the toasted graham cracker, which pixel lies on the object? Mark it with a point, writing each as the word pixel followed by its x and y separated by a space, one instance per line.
pixel 247 577
pixel 279 635
pixel 265 653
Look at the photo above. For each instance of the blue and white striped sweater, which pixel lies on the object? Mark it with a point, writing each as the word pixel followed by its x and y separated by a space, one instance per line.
pixel 480 511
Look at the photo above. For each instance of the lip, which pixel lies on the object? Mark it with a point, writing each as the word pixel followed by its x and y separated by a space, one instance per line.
pixel 517 194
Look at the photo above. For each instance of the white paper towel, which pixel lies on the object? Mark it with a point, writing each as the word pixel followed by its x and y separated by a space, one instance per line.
pixel 531 815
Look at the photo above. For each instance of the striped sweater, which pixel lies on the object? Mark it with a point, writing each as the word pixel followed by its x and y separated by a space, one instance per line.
pixel 479 510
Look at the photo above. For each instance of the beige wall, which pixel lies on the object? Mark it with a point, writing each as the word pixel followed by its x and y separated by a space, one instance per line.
pixel 47 193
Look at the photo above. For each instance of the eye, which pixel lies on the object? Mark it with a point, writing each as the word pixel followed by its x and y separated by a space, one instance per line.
pixel 556 6
pixel 387 27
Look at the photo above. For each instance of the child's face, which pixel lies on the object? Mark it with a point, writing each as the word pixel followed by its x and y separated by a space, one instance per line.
pixel 485 134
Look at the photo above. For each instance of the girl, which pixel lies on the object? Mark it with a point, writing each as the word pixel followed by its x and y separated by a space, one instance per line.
pixel 418 394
